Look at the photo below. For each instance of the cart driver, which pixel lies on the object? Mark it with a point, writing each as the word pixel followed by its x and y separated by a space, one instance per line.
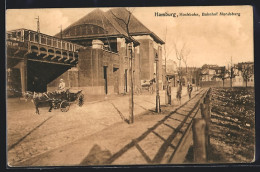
pixel 61 87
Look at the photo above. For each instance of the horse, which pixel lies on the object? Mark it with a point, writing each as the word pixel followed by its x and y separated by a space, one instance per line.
pixel 41 99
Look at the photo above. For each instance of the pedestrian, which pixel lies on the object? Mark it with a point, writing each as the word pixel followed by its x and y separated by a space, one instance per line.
pixel 169 93
pixel 189 89
pixel 179 91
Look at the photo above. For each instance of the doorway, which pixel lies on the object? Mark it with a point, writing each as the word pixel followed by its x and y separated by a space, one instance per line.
pixel 125 81
pixel 105 78
pixel 116 80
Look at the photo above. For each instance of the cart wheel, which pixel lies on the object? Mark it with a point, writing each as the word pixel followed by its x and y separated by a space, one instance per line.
pixel 81 100
pixel 64 106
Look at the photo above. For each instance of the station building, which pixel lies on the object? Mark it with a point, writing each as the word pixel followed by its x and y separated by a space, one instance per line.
pixel 103 65
pixel 92 54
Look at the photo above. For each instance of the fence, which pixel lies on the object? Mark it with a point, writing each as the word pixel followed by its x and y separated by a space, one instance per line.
pixel 197 133
pixel 201 131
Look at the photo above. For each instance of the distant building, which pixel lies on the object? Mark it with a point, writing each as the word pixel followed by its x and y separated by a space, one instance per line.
pixel 246 69
pixel 171 71
pixel 219 76
pixel 212 73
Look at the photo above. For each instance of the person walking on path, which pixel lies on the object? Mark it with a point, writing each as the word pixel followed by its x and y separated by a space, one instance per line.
pixel 179 91
pixel 189 89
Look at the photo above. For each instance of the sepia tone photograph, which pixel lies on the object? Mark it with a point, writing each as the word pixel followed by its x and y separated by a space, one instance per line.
pixel 130 86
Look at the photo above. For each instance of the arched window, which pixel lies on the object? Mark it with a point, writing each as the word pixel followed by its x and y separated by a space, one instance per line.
pixel 85 29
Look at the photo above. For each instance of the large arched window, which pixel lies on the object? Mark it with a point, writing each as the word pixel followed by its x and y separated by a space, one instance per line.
pixel 85 29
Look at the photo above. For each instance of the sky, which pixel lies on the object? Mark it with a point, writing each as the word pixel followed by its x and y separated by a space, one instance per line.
pixel 207 39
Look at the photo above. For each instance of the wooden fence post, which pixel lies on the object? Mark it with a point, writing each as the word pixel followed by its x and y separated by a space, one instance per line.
pixel 199 147
pixel 206 115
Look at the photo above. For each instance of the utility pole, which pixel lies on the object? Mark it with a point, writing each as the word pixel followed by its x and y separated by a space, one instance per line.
pixel 166 79
pixel 61 32
pixel 38 34
pixel 131 97
pixel 158 107
pixel 38 24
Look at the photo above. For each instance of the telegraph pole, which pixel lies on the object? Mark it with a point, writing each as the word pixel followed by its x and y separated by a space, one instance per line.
pixel 166 79
pixel 38 24
pixel 60 31
pixel 158 107
pixel 38 29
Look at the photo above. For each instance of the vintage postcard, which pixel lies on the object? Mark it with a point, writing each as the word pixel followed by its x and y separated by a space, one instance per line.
pixel 130 86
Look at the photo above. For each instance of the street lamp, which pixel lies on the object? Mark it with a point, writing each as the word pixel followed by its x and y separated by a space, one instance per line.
pixel 158 108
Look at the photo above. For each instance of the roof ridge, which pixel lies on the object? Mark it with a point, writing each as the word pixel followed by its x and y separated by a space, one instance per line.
pixel 133 19
pixel 79 20
pixel 114 26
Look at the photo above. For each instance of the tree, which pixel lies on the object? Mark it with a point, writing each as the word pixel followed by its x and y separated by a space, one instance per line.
pixel 167 51
pixel 181 55
pixel 223 74
pixel 185 59
pixel 125 20
pixel 247 71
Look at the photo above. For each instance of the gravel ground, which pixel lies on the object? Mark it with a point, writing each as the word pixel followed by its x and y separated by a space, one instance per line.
pixel 29 135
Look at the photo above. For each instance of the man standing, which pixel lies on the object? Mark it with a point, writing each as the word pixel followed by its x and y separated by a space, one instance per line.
pixel 189 89
pixel 179 91
pixel 169 93
pixel 61 86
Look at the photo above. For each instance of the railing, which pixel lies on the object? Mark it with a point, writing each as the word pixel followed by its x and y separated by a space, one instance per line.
pixel 197 133
pixel 24 35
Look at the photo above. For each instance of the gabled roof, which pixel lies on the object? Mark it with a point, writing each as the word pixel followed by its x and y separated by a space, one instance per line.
pixel 135 26
pixel 113 26
pixel 99 18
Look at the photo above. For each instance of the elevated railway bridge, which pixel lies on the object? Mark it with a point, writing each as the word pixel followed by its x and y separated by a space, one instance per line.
pixel 38 58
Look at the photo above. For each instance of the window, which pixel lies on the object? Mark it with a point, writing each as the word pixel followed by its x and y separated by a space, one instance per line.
pixel 54 43
pixel 31 36
pixel 26 35
pixel 43 40
pixel 83 29
pixel 48 41
pixel 36 38
pixel 77 31
pixel 72 31
pixel 59 46
pixel 13 34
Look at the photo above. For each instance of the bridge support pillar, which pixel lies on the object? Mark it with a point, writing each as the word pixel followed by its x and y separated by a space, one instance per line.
pixel 23 73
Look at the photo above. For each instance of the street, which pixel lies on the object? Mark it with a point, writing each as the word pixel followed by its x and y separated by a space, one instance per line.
pixel 30 135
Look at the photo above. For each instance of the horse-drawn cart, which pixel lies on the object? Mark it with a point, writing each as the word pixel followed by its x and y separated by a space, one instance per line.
pixel 148 85
pixel 71 97
pixel 56 100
